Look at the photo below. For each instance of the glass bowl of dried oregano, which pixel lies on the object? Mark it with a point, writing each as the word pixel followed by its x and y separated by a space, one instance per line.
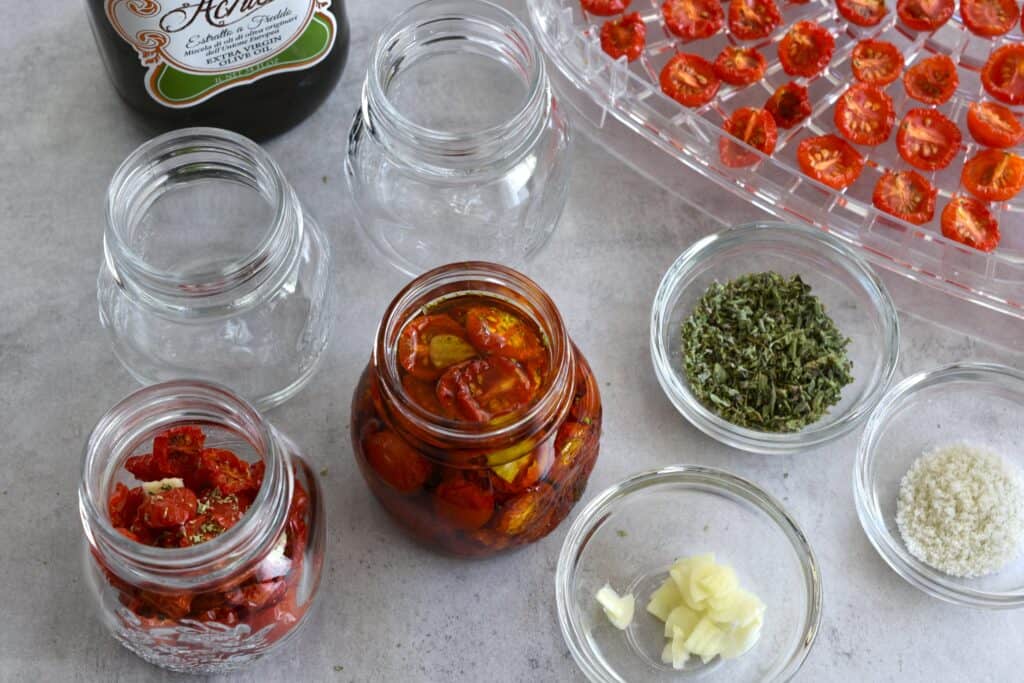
pixel 773 338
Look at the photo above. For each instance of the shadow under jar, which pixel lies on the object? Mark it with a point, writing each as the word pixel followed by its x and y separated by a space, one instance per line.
pixel 459 150
pixel 476 423
pixel 212 269
pixel 240 575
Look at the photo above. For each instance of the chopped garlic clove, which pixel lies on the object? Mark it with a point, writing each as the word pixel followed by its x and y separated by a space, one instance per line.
pixel 706 640
pixel 720 582
pixel 664 600
pixel 153 488
pixel 742 639
pixel 680 654
pixel 618 609
pixel 682 617
pixel 738 608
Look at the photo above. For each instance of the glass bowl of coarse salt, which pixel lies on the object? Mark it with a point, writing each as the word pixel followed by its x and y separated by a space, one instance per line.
pixel 939 483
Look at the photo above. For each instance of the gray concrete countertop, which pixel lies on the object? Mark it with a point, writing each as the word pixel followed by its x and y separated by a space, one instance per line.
pixel 389 611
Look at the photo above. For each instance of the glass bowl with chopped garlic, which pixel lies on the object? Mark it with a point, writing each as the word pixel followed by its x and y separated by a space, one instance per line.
pixel 645 593
pixel 773 338
pixel 939 483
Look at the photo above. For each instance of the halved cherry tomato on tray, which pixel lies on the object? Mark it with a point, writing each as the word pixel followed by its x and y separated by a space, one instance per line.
pixel 830 160
pixel 994 175
pixel 753 19
pixel 789 105
pixel 690 80
pixel 693 19
pixel 605 8
pixel 924 15
pixel 740 65
pixel 907 195
pixel 463 503
pixel 876 62
pixel 993 125
pixel 968 221
pixel 756 127
pixel 481 390
pixel 806 49
pixel 1003 74
pixel 862 12
pixel 624 37
pixel 495 331
pixel 864 115
pixel 932 80
pixel 168 509
pixel 431 343
pixel 927 139
pixel 395 461
pixel 989 18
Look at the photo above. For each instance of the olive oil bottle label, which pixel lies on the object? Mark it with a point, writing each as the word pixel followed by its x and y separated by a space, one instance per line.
pixel 194 49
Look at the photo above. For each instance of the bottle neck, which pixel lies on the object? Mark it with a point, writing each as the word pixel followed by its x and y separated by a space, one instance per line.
pixel 201 221
pixel 127 429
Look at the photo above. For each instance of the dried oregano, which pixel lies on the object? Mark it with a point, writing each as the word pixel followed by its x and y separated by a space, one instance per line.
pixel 762 353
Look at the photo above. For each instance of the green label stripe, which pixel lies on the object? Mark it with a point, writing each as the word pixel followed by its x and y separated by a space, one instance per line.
pixel 178 86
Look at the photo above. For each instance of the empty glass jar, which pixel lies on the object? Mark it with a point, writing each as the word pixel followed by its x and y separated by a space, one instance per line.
pixel 212 269
pixel 459 150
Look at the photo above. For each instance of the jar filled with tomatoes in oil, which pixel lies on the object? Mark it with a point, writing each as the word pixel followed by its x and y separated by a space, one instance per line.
pixel 476 423
pixel 204 528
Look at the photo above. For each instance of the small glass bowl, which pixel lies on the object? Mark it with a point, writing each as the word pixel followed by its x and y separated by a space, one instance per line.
pixel 853 296
pixel 975 403
pixel 630 535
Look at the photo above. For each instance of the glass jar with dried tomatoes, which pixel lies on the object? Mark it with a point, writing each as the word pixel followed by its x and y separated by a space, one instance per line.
pixel 204 527
pixel 476 423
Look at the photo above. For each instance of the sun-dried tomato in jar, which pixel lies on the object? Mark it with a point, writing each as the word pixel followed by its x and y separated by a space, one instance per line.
pixel 476 423
pixel 204 526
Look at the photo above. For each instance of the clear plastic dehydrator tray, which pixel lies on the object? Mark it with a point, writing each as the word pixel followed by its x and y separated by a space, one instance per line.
pixel 615 94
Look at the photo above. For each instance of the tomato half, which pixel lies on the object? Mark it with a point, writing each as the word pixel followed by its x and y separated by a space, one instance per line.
pixel 907 195
pixel 224 470
pixel 830 160
pixel 927 139
pixel 430 344
pixel 690 80
pixel 756 127
pixel 932 80
pixel 624 37
pixel 789 105
pixel 519 514
pixel 395 461
pixel 481 390
pixel 605 8
pixel 740 65
pixel 753 19
pixel 862 12
pixel 993 125
pixel 1003 74
pixel 463 503
pixel 968 221
pixel 496 331
pixel 989 17
pixel 876 62
pixel 864 115
pixel 257 596
pixel 693 19
pixel 168 509
pixel 994 175
pixel 806 49
pixel 924 15
pixel 123 505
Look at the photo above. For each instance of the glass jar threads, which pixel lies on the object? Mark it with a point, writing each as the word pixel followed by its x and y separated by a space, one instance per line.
pixel 459 150
pixel 204 527
pixel 212 269
pixel 476 423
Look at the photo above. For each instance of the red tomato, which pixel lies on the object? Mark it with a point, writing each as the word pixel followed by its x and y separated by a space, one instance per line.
pixel 494 331
pixel 968 221
pixel 689 79
pixel 864 115
pixel 932 80
pixel 173 605
pixel 753 19
pixel 830 160
pixel 222 469
pixel 862 12
pixel 481 390
pixel 396 462
pixel 519 514
pixel 993 125
pixel 756 127
pixel 257 596
pixel 168 509
pixel 605 8
pixel 144 467
pixel 415 344
pixel 1003 74
pixel 569 443
pixel 924 15
pixel 123 505
pixel 994 175
pixel 806 49
pixel 789 105
pixel 876 62
pixel 927 139
pixel 624 37
pixel 907 195
pixel 739 65
pixel 693 19
pixel 989 17
pixel 463 503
